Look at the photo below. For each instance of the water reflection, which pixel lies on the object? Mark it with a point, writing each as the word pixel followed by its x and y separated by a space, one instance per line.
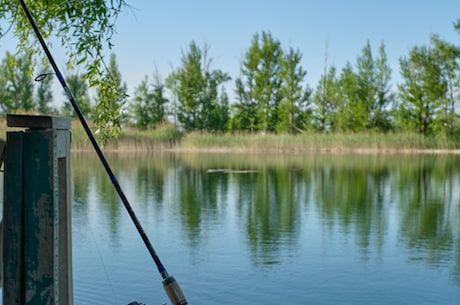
pixel 268 207
pixel 371 198
pixel 428 207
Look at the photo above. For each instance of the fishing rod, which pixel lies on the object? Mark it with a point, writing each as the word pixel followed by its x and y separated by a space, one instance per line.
pixel 171 287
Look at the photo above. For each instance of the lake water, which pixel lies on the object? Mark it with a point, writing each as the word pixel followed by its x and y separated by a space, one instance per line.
pixel 269 229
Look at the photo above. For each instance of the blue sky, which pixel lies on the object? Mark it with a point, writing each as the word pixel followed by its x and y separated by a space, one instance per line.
pixel 155 33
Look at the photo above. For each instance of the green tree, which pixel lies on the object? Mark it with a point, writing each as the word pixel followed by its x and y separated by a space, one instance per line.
pixel 380 117
pixel 149 102
pixel 364 93
pixel 79 88
pixel 421 91
pixel 199 102
pixel 16 85
pixel 258 88
pixel 366 89
pixel 324 103
pixel 374 95
pixel 351 112
pixel 84 29
pixel 141 106
pixel 293 111
pixel 111 96
pixel 244 110
pixel 221 115
pixel 447 56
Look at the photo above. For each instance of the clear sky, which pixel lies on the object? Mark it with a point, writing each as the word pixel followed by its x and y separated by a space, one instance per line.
pixel 155 33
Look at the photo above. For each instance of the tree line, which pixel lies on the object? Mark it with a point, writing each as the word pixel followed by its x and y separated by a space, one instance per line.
pixel 270 93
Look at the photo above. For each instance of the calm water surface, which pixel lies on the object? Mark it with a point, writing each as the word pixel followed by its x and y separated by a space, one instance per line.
pixel 270 229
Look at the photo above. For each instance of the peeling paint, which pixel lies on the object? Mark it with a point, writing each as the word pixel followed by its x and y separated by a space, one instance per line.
pixel 38 260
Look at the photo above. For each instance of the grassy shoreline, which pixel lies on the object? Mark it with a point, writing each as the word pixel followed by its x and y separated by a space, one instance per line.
pixel 131 140
pixel 168 138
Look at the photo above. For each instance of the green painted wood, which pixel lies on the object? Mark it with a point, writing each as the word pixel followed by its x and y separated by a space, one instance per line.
pixel 13 268
pixel 39 266
pixel 39 213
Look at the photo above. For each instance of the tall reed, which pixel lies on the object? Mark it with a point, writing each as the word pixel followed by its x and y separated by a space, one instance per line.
pixel 316 142
pixel 167 138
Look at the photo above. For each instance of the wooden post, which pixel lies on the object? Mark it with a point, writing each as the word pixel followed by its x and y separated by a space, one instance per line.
pixel 37 264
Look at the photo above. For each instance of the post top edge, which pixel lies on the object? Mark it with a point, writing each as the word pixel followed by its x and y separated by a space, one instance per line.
pixel 37 121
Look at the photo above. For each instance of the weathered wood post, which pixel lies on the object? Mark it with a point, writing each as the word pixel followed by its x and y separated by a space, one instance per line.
pixel 37 264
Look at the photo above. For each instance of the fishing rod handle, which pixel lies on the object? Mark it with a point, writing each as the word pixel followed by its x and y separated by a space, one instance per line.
pixel 174 292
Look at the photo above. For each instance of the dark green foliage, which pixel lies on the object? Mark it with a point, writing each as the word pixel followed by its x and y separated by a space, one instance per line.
pixel 293 112
pixel 364 96
pixel 84 29
pixel 430 88
pixel 148 104
pixel 200 105
pixel 111 96
pixel 385 97
pixel 244 111
pixel 350 110
pixel 447 56
pixel 258 88
pixel 270 93
pixel 324 104
pixel 16 83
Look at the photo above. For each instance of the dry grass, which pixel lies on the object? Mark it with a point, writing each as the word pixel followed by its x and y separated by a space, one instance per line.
pixel 315 142
pixel 168 138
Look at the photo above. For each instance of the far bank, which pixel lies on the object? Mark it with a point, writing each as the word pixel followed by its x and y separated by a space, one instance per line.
pixel 168 139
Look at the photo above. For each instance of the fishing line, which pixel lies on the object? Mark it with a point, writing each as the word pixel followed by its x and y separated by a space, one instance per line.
pixel 101 258
pixel 170 285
